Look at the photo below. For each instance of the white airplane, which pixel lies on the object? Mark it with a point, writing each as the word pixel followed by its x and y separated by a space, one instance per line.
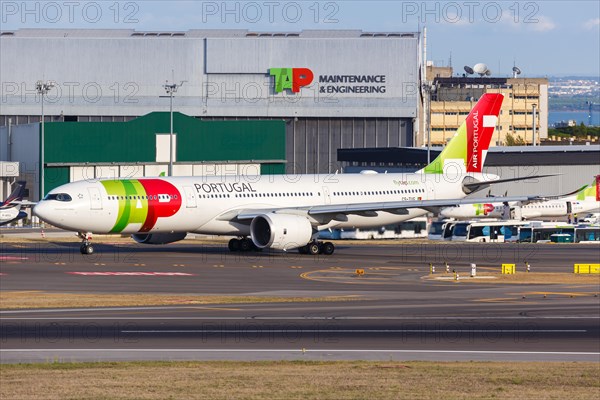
pixel 276 211
pixel 10 209
pixel 580 201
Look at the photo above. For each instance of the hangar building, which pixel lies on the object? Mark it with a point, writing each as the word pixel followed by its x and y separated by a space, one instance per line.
pixel 331 89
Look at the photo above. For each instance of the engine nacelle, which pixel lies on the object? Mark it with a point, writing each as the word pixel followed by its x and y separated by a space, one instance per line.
pixel 280 231
pixel 159 238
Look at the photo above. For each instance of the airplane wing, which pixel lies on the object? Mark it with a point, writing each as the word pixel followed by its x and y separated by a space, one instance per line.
pixel 555 197
pixel 334 211
pixel 24 203
pixel 475 185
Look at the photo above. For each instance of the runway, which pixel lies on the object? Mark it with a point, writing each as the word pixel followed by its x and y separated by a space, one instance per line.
pixel 392 312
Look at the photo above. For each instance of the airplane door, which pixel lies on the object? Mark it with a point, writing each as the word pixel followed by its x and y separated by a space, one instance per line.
pixel 326 195
pixel 190 197
pixel 569 207
pixel 95 198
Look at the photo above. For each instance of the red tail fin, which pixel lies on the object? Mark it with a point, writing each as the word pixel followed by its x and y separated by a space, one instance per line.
pixel 481 123
pixel 597 187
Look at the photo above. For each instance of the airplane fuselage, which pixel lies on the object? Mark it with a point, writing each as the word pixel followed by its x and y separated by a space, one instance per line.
pixel 195 204
pixel 544 209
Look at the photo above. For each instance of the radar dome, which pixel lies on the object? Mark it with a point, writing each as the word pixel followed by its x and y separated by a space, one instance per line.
pixel 480 68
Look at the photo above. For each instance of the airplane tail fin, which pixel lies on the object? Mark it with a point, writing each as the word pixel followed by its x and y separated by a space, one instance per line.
pixel 17 194
pixel 590 192
pixel 468 148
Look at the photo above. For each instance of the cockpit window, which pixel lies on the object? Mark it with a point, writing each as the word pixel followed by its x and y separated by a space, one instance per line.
pixel 58 197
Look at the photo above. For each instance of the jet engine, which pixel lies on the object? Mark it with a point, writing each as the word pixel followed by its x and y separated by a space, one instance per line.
pixel 280 231
pixel 159 238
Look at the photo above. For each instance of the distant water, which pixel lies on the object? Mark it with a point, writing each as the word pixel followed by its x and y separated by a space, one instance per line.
pixel 579 116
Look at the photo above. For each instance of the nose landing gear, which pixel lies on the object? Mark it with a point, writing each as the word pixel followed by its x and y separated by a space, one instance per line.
pixel 86 245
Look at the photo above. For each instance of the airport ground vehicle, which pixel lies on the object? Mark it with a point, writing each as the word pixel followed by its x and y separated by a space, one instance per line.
pixel 587 234
pixel 415 228
pixel 487 231
pixel 591 218
pixel 541 232
pixel 436 230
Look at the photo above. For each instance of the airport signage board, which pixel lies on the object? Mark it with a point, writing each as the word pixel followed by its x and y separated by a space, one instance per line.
pixel 296 78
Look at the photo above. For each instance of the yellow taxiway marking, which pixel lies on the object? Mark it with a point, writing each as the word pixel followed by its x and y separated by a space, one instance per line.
pixel 218 266
pixel 505 300
pixel 22 291
pixel 139 265
pixel 257 266
pixel 344 278
pixel 62 263
pixel 179 265
pixel 569 294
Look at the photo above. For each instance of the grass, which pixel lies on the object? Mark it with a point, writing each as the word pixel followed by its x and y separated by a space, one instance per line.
pixel 301 380
pixel 524 278
pixel 36 299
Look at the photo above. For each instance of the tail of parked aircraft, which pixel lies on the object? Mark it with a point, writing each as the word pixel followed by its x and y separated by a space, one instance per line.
pixel 468 148
pixel 590 192
pixel 16 196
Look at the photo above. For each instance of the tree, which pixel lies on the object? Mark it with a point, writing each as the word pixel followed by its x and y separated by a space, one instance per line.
pixel 512 141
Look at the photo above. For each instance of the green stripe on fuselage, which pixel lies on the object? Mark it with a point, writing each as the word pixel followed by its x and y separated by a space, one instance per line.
pixel 133 205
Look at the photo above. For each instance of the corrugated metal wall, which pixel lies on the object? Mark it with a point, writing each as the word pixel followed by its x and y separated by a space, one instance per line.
pixel 312 143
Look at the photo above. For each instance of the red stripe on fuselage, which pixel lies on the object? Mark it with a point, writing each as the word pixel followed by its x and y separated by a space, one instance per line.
pixel 156 208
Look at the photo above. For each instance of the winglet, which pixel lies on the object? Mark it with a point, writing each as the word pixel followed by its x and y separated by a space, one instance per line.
pixel 468 148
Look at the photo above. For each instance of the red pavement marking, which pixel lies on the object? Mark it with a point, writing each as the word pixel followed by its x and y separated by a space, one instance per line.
pixel 103 273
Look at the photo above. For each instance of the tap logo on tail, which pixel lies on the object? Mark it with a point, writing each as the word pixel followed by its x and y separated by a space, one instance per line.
pixel 469 146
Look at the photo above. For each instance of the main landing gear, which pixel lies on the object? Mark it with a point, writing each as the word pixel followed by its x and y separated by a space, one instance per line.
pixel 86 245
pixel 315 247
pixel 244 245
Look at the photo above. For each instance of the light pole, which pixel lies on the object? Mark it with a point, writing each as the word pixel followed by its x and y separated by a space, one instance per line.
pixel 534 114
pixel 171 89
pixel 43 88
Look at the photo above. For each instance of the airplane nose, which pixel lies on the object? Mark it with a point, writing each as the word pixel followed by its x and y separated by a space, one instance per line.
pixel 42 210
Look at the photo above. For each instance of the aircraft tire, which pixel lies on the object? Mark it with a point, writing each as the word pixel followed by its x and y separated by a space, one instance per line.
pixel 234 245
pixel 328 248
pixel 246 244
pixel 303 249
pixel 314 248
pixel 86 249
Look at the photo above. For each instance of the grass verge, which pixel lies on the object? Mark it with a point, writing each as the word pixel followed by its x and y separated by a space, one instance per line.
pixel 35 299
pixel 301 380
pixel 523 278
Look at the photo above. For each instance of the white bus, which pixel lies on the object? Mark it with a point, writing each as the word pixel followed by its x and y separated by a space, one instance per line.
pixel 542 232
pixel 436 229
pixel 414 228
pixel 587 234
pixel 487 231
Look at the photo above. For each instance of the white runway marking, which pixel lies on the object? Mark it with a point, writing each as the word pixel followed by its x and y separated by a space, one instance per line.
pixel 153 350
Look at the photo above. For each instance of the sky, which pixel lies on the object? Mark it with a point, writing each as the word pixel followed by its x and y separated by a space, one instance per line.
pixel 543 38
